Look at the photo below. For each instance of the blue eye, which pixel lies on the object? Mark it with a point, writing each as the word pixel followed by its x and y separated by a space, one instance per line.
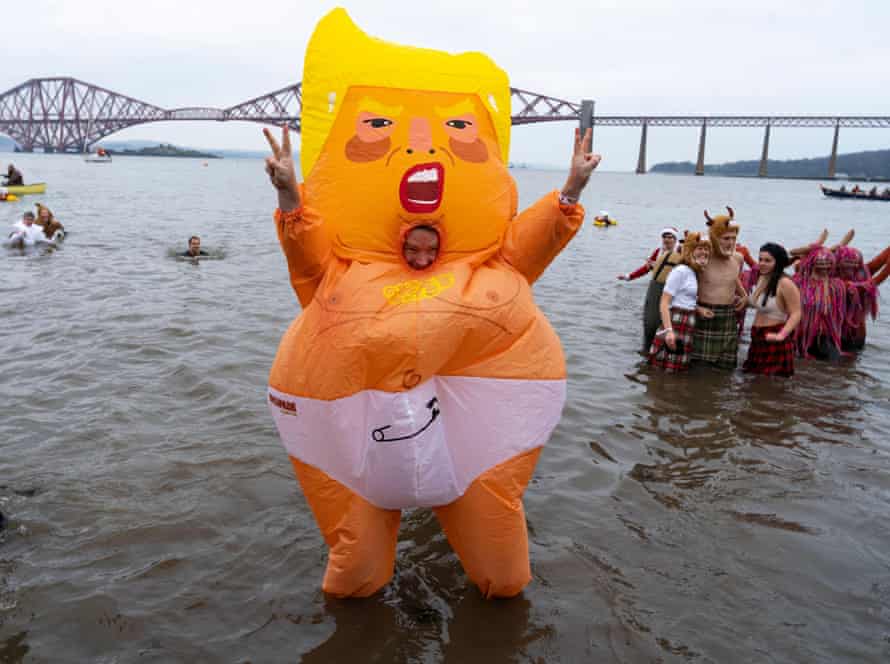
pixel 378 123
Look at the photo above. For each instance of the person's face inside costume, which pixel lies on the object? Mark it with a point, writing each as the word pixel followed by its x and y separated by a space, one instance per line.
pixel 194 246
pixel 27 218
pixel 849 264
pixel 823 264
pixel 766 263
pixel 668 242
pixel 421 247
pixel 396 157
pixel 701 255
pixel 727 243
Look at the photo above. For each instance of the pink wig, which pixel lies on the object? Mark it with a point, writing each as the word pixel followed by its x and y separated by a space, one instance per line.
pixel 862 293
pixel 823 302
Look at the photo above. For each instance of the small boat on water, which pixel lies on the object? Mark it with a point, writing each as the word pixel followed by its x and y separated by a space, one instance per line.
pixel 101 157
pixel 19 189
pixel 858 195
pixel 7 198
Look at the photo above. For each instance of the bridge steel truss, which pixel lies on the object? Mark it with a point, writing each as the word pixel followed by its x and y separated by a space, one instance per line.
pixel 765 121
pixel 68 115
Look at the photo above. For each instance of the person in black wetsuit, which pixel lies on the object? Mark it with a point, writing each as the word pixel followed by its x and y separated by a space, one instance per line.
pixel 13 177
pixel 194 249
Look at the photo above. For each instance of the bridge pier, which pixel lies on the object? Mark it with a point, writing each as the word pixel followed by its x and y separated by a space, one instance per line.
pixel 641 160
pixel 700 164
pixel 832 162
pixel 586 118
pixel 764 156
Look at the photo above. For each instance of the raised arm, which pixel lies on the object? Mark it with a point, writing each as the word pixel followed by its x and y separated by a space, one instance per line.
pixel 537 235
pixel 804 250
pixel 303 239
pixel 845 240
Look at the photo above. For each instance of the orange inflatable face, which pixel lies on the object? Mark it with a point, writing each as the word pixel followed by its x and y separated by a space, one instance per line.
pixel 399 158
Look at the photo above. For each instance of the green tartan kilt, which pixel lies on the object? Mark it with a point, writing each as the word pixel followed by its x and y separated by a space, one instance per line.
pixel 717 339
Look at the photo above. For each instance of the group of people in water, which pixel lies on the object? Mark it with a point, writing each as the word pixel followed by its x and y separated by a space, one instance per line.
pixel 31 229
pixel 871 193
pixel 703 284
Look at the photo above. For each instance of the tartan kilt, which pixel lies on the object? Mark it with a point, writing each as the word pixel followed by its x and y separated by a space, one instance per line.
pixel 772 358
pixel 717 338
pixel 663 357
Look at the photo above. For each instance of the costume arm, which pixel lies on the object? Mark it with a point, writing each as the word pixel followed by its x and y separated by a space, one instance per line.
pixel 878 261
pixel 307 248
pixel 537 235
pixel 746 256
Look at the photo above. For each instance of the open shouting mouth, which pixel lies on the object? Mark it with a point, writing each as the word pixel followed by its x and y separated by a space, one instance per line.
pixel 421 188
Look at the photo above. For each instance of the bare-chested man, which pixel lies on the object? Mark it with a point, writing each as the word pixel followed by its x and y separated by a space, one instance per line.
pixel 720 293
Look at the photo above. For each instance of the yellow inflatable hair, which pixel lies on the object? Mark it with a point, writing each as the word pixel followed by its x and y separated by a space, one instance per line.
pixel 340 55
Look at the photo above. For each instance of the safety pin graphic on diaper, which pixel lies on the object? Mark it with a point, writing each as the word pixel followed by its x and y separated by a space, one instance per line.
pixel 379 436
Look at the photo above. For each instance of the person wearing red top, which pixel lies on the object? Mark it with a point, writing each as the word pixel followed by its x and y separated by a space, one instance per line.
pixel 670 237
pixel 659 263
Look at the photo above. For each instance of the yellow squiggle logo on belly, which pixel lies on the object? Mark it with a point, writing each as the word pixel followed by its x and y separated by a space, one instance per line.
pixel 416 290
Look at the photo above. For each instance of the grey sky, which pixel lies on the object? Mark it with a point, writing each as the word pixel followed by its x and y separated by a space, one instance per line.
pixel 631 56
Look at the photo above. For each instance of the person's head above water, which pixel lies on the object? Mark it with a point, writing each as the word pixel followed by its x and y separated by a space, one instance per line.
pixel 28 218
pixel 194 245
pixel 420 247
pixel 44 214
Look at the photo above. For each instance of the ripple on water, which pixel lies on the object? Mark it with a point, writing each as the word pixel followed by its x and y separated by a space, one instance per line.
pixel 708 517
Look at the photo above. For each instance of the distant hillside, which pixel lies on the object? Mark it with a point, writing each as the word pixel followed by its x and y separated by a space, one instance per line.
pixel 869 164
pixel 163 150
pixel 120 146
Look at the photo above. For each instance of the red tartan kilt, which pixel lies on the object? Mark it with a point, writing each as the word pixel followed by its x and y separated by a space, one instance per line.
pixel 773 358
pixel 663 357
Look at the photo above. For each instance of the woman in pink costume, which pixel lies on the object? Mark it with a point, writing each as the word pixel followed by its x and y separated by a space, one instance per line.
pixel 862 296
pixel 823 305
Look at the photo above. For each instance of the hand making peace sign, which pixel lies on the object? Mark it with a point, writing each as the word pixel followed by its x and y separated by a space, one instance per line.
pixel 582 165
pixel 281 170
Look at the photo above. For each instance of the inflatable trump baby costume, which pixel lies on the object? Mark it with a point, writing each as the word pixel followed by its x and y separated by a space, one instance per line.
pixel 399 387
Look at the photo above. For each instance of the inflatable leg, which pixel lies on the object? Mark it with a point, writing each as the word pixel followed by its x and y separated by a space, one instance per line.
pixel 486 527
pixel 879 266
pixel 361 537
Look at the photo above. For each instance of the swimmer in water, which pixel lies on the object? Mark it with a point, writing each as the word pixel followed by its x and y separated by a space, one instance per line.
pixel 194 249
pixel 25 232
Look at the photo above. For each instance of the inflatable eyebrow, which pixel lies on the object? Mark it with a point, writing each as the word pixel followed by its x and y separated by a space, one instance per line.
pixel 397 387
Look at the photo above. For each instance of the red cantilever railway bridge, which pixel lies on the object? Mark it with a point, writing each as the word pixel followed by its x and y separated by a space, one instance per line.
pixel 68 115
